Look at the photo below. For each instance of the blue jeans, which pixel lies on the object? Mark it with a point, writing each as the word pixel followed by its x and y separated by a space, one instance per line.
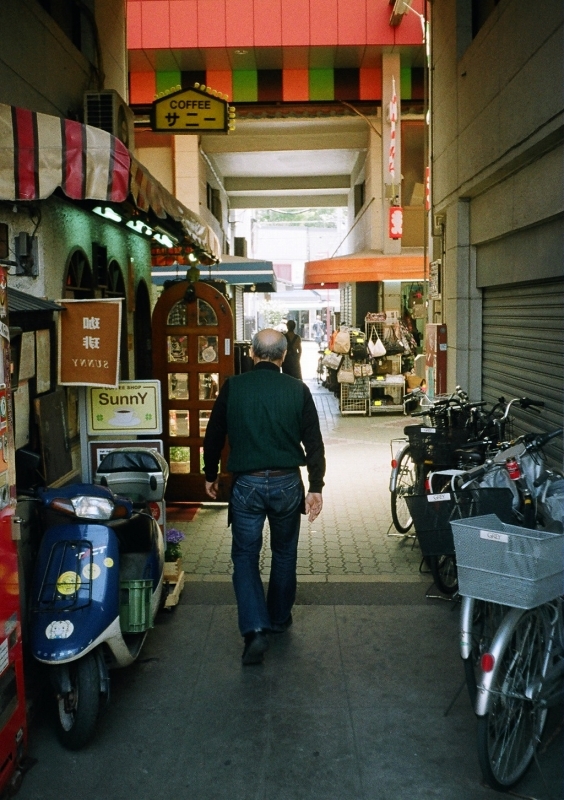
pixel 253 500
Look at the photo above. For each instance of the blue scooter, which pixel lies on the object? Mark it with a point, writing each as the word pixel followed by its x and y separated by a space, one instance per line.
pixel 97 583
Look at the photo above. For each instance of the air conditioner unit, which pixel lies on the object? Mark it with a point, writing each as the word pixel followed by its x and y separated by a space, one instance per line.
pixel 108 111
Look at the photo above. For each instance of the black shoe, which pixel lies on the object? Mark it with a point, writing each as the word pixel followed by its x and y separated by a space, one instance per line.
pixel 256 645
pixel 280 627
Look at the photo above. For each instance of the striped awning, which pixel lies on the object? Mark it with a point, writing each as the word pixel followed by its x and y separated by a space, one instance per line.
pixel 40 153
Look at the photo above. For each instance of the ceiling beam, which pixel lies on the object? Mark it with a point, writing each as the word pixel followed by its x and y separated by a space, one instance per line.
pixel 293 201
pixel 270 184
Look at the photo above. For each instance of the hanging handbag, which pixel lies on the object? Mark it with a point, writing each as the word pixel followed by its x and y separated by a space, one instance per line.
pixel 391 341
pixel 346 372
pixel 332 360
pixel 342 342
pixel 375 346
pixel 362 370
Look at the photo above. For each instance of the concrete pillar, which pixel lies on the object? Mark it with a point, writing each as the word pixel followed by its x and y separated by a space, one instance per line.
pixel 390 69
pixel 462 303
pixel 186 171
pixel 374 189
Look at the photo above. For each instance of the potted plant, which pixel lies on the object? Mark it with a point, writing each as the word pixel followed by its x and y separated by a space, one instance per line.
pixel 173 553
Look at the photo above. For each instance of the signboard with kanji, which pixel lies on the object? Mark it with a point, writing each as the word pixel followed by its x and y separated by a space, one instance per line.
pixel 89 336
pixel 190 111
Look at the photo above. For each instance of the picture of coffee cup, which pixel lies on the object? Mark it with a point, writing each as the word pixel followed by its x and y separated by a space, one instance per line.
pixel 124 418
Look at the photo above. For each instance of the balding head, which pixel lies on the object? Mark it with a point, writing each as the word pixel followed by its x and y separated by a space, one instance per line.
pixel 269 345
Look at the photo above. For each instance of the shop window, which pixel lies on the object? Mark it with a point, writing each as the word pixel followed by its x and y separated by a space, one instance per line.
pixel 79 282
pixel 481 10
pixel 177 315
pixel 100 265
pixel 179 459
pixel 214 201
pixel 116 283
pixel 206 314
pixel 77 21
pixel 178 386
pixel 359 197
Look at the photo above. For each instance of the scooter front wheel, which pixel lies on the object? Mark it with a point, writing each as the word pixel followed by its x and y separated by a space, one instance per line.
pixel 78 708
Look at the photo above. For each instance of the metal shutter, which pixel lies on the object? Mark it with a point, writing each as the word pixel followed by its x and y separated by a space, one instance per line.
pixel 523 352
pixel 239 314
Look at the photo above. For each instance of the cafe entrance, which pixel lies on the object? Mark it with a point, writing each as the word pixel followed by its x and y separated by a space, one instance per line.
pixel 192 357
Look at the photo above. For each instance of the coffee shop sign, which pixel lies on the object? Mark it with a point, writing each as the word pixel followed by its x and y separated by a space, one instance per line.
pixel 133 407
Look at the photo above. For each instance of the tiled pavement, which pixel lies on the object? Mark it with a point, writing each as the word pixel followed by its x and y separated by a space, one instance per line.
pixel 350 541
pixel 360 700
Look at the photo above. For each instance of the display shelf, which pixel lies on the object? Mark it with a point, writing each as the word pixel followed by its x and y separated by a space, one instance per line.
pixel 355 396
pixel 382 389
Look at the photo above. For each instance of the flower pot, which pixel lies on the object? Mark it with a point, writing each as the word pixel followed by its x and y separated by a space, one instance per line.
pixel 172 569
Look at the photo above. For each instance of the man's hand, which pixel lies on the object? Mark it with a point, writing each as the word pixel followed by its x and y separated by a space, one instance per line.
pixel 212 488
pixel 313 505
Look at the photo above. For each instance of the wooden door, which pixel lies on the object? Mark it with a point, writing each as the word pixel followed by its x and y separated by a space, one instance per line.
pixel 192 357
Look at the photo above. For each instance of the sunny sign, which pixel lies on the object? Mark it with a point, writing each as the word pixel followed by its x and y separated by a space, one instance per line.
pixel 133 408
pixel 190 111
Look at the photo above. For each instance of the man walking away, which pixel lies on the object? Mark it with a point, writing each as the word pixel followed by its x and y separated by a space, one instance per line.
pixel 270 419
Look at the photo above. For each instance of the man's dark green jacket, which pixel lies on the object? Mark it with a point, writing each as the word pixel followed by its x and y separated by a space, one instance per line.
pixel 269 419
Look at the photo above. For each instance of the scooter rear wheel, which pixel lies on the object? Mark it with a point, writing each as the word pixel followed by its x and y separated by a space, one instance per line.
pixel 78 709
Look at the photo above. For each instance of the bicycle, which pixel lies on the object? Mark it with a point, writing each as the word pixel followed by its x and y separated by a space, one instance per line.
pixel 321 372
pixel 408 473
pixel 439 551
pixel 480 619
pixel 521 668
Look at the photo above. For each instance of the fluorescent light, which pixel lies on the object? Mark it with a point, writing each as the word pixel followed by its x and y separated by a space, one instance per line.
pixel 139 227
pixel 107 213
pixel 164 239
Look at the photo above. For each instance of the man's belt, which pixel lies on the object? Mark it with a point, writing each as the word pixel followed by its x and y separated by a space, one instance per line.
pixel 272 473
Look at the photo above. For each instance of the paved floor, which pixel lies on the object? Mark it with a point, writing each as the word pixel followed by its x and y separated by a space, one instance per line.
pixel 350 540
pixel 357 701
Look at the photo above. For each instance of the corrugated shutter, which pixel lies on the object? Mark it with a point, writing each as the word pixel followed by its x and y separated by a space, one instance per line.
pixel 239 314
pixel 523 352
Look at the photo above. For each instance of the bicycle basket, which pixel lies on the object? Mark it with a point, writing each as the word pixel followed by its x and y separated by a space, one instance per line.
pixel 506 564
pixel 434 446
pixel 432 514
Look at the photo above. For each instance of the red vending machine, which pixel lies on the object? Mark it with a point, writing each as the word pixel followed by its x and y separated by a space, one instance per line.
pixel 13 728
pixel 436 358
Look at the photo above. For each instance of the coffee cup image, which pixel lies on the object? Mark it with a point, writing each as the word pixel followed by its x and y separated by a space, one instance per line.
pixel 124 418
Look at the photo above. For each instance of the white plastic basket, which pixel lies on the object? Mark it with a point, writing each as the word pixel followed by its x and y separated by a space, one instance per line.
pixel 507 564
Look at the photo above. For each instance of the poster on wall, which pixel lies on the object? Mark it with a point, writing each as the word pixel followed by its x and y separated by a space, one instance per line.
pixel 27 356
pixel 89 336
pixel 43 351
pixel 21 412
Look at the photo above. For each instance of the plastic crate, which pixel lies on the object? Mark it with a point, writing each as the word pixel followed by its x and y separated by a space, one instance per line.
pixel 506 564
pixel 135 605
pixel 432 514
pixel 434 446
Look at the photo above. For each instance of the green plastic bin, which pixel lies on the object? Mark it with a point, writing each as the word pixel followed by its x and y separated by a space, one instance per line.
pixel 135 605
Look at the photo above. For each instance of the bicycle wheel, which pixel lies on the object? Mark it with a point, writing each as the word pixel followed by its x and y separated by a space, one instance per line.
pixel 486 619
pixel 509 733
pixel 443 570
pixel 406 484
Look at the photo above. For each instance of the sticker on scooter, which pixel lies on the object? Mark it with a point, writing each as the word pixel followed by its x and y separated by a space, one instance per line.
pixel 68 583
pixel 91 572
pixel 59 629
pixel 108 562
